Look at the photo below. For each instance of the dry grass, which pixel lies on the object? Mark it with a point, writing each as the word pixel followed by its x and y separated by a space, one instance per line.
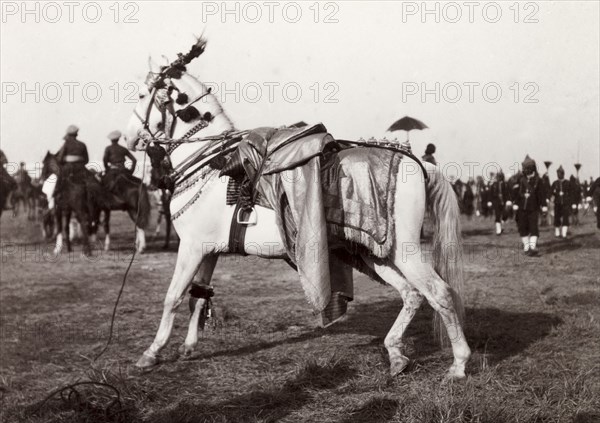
pixel 533 325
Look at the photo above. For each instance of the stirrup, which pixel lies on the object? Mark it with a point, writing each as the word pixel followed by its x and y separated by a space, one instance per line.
pixel 247 222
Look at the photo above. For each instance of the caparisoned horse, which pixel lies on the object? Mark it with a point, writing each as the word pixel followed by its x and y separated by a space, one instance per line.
pixel 202 220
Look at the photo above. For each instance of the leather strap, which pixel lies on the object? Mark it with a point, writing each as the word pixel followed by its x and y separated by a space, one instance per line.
pixel 237 232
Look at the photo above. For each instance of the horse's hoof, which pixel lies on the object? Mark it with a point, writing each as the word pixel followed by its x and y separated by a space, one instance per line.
pixel 398 365
pixel 186 351
pixel 455 373
pixel 146 362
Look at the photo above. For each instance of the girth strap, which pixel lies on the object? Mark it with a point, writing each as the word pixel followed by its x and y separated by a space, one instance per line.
pixel 237 231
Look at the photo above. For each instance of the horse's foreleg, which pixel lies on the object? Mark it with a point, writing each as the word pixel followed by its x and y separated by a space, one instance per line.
pixel 201 281
pixel 58 230
pixel 106 230
pixel 84 226
pixel 66 230
pixel 140 239
pixel 189 258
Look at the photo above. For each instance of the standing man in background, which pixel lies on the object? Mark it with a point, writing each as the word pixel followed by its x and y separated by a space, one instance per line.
pixel 530 199
pixel 561 191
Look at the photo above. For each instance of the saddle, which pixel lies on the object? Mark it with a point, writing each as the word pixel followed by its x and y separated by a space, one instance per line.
pixel 267 151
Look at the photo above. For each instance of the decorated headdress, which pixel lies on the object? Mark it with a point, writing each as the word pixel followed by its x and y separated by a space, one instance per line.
pixel 528 164
pixel 177 67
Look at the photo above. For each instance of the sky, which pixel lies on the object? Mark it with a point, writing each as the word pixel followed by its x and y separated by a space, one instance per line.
pixel 493 81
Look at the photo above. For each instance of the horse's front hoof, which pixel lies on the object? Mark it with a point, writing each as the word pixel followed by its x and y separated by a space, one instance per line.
pixel 146 362
pixel 186 351
pixel 399 365
pixel 455 373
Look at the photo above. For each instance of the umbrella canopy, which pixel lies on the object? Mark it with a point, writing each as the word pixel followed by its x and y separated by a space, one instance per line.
pixel 577 166
pixel 548 164
pixel 407 124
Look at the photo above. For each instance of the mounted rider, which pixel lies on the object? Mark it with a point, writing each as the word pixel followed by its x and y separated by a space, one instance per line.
pixel 73 156
pixel 114 161
pixel 7 182
pixel 22 176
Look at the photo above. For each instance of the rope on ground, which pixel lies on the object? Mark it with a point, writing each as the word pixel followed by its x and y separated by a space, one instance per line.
pixel 76 400
pixel 114 312
pixel 73 398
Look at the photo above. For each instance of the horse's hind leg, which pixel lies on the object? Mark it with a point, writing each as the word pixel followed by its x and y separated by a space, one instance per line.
pixel 423 277
pixel 189 258
pixel 202 281
pixel 412 300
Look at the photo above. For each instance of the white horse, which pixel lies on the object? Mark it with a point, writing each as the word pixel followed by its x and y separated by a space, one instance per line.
pixel 204 231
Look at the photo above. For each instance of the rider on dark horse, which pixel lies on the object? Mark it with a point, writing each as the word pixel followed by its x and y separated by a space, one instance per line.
pixel 7 182
pixel 73 156
pixel 114 162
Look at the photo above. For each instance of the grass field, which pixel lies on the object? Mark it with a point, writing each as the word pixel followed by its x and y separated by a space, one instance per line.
pixel 532 323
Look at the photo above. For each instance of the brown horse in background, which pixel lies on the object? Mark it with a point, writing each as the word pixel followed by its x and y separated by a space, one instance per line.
pixel 24 194
pixel 7 185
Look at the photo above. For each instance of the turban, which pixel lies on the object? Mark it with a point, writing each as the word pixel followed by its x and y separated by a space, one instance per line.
pixel 114 135
pixel 72 130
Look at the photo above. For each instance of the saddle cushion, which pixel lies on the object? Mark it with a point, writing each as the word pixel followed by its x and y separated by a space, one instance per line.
pixel 281 149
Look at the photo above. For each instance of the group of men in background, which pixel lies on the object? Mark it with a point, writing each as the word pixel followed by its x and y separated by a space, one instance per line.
pixel 527 195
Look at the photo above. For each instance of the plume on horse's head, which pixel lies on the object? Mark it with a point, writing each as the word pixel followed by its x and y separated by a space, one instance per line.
pixel 174 70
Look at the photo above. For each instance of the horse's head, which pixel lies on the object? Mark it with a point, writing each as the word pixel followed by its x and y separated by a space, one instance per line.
pixel 161 167
pixel 174 104
pixel 50 166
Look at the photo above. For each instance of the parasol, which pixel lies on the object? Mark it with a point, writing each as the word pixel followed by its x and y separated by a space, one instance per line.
pixel 407 124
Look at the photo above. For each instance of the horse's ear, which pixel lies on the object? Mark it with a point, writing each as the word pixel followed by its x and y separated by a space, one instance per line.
pixel 153 66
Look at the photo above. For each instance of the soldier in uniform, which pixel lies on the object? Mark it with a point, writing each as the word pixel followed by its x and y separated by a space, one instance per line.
pixel 593 195
pixel 576 198
pixel 500 200
pixel 115 154
pixel 73 156
pixel 529 200
pixel 114 161
pixel 562 192
pixel 428 156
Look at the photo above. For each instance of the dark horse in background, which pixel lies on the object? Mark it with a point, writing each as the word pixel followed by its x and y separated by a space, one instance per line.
pixel 130 195
pixel 72 195
pixel 24 194
pixel 7 185
pixel 88 198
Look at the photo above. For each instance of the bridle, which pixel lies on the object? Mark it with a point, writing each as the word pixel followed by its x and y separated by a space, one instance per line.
pixel 167 106
pixel 216 145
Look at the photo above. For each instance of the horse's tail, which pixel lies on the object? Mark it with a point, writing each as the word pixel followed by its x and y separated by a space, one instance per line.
pixel 447 240
pixel 142 217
